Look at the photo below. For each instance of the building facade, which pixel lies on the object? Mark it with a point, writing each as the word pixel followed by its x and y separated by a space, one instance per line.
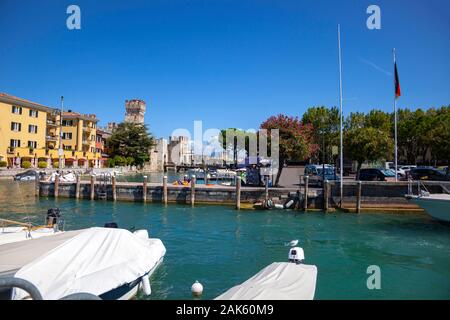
pixel 31 132
pixel 179 151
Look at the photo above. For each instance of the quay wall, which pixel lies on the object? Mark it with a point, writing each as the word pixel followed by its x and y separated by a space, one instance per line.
pixel 373 194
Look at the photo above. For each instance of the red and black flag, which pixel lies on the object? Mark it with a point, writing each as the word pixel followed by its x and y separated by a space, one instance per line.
pixel 398 92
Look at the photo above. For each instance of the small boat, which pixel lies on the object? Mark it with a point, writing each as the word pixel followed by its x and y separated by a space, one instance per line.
pixel 110 263
pixel 291 280
pixel 26 231
pixel 436 205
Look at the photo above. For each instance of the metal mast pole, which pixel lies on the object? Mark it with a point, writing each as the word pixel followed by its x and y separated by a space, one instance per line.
pixel 395 122
pixel 340 117
pixel 60 151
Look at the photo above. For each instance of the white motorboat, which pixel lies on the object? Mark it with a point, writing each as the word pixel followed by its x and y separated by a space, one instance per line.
pixel 279 281
pixel 108 262
pixel 436 205
pixel 26 231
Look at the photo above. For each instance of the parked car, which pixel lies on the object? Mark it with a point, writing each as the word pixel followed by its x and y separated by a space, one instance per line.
pixel 316 174
pixel 426 173
pixel 403 170
pixel 376 174
pixel 29 175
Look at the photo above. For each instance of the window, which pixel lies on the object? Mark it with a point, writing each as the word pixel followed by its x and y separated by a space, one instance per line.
pixel 14 143
pixel 67 135
pixel 32 128
pixel 67 123
pixel 92 149
pixel 67 147
pixel 33 113
pixel 16 110
pixel 32 144
pixel 15 126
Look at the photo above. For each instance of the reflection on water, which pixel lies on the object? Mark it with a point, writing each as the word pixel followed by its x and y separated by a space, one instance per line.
pixel 222 247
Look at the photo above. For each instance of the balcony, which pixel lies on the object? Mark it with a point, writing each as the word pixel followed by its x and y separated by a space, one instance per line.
pixel 52 123
pixel 86 142
pixel 11 150
pixel 87 128
pixel 51 138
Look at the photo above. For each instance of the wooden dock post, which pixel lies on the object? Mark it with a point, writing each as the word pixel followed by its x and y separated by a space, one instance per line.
pixel 113 187
pixel 77 188
pixel 144 189
pixel 92 187
pixel 37 186
pixel 56 185
pixel 326 188
pixel 165 190
pixel 358 197
pixel 266 189
pixel 305 197
pixel 238 193
pixel 193 190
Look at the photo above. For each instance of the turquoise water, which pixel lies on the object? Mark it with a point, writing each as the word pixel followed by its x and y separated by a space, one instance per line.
pixel 222 247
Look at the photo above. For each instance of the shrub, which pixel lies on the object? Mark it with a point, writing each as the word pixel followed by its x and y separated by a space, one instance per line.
pixel 110 163
pixel 3 164
pixel 120 161
pixel 26 164
pixel 42 164
pixel 130 161
pixel 56 164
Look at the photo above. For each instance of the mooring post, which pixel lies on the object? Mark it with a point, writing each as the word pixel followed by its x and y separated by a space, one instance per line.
pixel 165 190
pixel 37 183
pixel 144 189
pixel 238 192
pixel 92 187
pixel 113 187
pixel 326 188
pixel 305 197
pixel 358 197
pixel 206 177
pixel 193 190
pixel 56 185
pixel 77 187
pixel 266 189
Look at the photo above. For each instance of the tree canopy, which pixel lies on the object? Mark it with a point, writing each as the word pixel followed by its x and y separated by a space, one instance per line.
pixel 130 141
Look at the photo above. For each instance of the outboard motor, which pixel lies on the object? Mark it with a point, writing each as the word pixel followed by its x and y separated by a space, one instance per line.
pixel 296 255
pixel 112 225
pixel 53 215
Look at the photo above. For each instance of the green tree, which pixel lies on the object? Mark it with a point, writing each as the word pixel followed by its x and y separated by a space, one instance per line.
pixel 367 144
pixel 131 140
pixel 325 122
pixel 236 140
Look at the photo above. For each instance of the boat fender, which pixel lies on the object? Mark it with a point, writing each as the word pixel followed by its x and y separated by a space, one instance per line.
pixel 145 281
pixel 279 206
pixel 289 204
pixel 269 203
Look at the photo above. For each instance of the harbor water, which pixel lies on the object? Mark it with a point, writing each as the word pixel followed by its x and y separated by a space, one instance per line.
pixel 221 247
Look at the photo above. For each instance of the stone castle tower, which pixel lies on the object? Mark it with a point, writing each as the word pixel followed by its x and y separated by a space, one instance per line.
pixel 135 111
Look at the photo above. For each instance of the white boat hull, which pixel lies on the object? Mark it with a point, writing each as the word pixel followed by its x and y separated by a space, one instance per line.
pixel 437 207
pixel 16 234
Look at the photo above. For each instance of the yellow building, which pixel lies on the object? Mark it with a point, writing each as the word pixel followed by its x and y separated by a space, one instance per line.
pixel 31 132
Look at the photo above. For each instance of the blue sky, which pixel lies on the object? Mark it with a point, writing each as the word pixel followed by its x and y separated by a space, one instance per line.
pixel 227 63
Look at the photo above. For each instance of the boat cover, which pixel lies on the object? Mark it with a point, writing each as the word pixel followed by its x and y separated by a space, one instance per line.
pixel 95 261
pixel 14 256
pixel 278 281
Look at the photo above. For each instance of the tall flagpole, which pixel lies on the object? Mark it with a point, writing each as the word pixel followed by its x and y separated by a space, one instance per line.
pixel 395 120
pixel 340 118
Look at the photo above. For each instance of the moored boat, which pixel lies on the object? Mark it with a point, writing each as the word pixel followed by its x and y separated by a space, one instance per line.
pixel 436 205
pixel 107 262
